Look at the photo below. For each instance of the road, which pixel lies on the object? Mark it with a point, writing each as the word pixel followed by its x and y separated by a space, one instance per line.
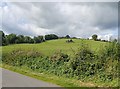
pixel 13 79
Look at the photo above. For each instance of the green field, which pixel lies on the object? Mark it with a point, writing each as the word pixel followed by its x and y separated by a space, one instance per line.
pixel 96 65
pixel 49 47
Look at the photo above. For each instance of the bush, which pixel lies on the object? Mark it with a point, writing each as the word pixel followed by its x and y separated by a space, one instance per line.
pixel 110 56
pixel 59 56
pixel 20 56
pixel 70 41
pixel 110 51
pixel 82 64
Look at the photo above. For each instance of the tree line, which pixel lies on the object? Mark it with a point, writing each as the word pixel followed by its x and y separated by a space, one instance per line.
pixel 17 39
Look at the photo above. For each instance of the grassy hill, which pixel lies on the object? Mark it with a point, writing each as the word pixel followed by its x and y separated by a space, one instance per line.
pixel 49 47
pixel 98 67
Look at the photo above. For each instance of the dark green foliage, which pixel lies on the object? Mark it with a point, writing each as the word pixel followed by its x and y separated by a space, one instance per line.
pixel 17 39
pixel 51 37
pixel 98 39
pixel 3 39
pixel 67 36
pixel 104 40
pixel 28 39
pixel 69 41
pixel 20 56
pixel 11 38
pixel 82 65
pixel 74 37
pixel 110 51
pixel 59 56
pixel 94 37
pixel 110 55
pixel 38 39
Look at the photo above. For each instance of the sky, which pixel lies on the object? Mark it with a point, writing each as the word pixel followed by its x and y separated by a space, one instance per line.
pixel 77 19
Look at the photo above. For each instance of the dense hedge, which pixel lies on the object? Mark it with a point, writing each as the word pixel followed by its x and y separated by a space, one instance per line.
pixel 84 64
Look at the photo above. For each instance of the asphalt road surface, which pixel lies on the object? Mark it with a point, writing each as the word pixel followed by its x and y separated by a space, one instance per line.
pixel 13 79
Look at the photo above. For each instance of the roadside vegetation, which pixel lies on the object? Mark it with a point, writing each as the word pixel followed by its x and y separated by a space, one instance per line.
pixel 86 65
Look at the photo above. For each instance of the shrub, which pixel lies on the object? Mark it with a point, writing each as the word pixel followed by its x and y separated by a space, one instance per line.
pixel 70 41
pixel 59 56
pixel 109 55
pixel 82 64
pixel 20 56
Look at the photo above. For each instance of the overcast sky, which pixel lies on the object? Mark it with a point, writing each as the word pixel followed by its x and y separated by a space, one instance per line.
pixel 75 19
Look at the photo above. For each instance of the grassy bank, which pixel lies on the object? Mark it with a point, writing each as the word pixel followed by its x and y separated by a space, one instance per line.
pixel 61 81
pixel 86 67
pixel 67 83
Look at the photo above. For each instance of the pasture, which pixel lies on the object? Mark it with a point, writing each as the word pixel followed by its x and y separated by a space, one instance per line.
pixel 49 47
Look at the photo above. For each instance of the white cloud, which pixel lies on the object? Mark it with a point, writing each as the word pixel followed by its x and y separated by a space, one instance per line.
pixel 75 19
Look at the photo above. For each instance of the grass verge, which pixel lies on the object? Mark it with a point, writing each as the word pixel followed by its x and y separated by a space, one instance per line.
pixel 67 83
pixel 61 81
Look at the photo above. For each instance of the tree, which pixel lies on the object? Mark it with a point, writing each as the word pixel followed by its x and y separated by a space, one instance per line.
pixel 67 36
pixel 3 39
pixel 38 39
pixel 47 37
pixel 28 39
pixel 31 40
pixel 94 37
pixel 20 39
pixel 11 38
pixel 51 36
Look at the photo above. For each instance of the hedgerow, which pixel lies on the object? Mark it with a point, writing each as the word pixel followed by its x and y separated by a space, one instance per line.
pixel 85 63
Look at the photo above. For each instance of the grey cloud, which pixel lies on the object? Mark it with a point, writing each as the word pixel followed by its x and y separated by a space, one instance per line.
pixel 76 19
